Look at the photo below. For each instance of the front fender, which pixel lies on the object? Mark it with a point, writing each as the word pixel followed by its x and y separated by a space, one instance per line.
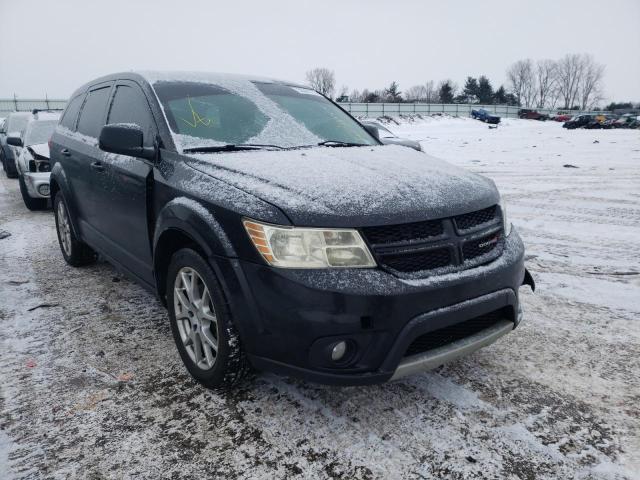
pixel 195 220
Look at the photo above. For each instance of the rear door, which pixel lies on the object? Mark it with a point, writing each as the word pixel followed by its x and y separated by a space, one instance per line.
pixel 84 158
pixel 123 184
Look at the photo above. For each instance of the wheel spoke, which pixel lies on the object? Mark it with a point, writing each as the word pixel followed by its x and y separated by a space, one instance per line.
pixel 182 298
pixel 197 347
pixel 209 339
pixel 208 353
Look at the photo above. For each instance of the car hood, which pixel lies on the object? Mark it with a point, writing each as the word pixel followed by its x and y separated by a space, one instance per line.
pixel 41 149
pixel 358 186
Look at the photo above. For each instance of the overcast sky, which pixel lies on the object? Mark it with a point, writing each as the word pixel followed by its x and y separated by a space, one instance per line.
pixel 55 46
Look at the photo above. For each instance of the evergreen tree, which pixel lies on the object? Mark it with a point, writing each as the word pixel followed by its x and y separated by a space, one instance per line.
pixel 485 91
pixel 500 97
pixel 393 93
pixel 470 93
pixel 446 92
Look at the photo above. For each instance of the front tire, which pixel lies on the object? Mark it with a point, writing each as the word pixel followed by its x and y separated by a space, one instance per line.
pixel 75 252
pixel 202 324
pixel 31 203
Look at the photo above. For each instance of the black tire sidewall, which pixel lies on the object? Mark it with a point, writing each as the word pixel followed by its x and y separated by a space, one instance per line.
pixel 229 363
pixel 81 254
pixel 30 202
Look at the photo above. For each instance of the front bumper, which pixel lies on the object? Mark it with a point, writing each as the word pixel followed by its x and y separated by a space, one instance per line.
pixel 35 182
pixel 288 319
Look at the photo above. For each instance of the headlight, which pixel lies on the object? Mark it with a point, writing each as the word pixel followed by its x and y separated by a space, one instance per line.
pixel 505 221
pixel 292 247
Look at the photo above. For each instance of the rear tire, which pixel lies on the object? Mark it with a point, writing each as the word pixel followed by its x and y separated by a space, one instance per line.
pixel 75 252
pixel 5 167
pixel 31 203
pixel 201 323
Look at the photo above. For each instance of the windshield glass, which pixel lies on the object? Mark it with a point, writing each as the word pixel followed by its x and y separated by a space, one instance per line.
pixel 16 123
pixel 39 132
pixel 243 112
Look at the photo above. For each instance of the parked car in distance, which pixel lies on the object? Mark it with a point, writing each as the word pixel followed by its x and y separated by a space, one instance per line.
pixel 578 121
pixel 14 126
pixel 279 232
pixel 626 121
pixel 387 137
pixel 526 113
pixel 562 117
pixel 32 163
pixel 484 116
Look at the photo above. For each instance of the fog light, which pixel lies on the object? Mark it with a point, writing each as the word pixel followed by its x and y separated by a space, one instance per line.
pixel 44 190
pixel 338 351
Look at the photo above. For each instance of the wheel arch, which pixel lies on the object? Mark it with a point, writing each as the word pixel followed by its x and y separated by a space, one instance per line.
pixel 185 223
pixel 58 182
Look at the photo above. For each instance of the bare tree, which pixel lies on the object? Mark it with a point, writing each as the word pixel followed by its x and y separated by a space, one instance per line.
pixel 570 70
pixel 545 81
pixel 522 81
pixel 417 93
pixel 322 80
pixel 431 92
pixel 426 93
pixel 590 86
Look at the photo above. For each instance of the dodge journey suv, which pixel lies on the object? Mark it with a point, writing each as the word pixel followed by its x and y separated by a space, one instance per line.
pixel 279 232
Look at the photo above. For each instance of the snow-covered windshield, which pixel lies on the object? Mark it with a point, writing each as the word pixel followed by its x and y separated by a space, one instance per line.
pixel 39 132
pixel 245 112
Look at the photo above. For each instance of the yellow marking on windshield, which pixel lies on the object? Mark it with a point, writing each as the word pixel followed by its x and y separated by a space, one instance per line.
pixel 196 118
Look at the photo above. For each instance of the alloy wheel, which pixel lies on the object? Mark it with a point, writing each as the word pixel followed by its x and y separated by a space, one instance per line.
pixel 196 318
pixel 64 228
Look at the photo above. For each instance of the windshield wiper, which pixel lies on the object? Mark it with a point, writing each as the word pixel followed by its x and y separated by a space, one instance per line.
pixel 338 143
pixel 230 148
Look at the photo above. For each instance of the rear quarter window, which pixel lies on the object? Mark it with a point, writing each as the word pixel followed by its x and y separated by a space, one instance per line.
pixel 93 112
pixel 71 113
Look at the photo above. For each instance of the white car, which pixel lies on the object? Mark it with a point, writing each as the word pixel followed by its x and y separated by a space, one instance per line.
pixel 32 162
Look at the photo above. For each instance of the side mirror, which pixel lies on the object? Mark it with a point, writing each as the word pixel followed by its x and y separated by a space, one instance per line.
pixel 125 139
pixel 14 139
pixel 373 131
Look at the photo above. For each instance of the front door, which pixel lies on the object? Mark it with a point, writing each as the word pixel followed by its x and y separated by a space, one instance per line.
pixel 124 187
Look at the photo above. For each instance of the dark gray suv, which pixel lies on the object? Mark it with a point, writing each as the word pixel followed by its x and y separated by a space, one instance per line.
pixel 279 232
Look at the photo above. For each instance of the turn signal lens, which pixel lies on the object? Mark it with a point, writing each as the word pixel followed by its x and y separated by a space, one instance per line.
pixel 292 247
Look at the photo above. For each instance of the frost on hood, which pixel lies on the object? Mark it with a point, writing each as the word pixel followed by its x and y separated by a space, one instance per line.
pixel 381 184
pixel 281 128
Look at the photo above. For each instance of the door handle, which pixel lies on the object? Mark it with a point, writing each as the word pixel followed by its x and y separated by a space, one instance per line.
pixel 65 152
pixel 98 166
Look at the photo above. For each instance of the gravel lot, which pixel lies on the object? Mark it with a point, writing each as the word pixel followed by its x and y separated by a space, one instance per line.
pixel 91 385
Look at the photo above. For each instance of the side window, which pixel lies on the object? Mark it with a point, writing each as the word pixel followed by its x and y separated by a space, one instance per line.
pixel 130 106
pixel 71 113
pixel 92 115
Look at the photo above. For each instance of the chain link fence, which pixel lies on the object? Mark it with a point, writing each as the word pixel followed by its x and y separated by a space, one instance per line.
pixel 373 110
pixel 8 105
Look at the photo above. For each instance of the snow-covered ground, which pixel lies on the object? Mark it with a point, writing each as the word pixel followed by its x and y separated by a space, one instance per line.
pixel 91 386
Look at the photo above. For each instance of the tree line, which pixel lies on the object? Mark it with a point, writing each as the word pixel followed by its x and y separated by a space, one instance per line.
pixel 575 81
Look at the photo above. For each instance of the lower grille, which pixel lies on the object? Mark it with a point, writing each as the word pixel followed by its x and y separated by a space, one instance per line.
pixel 417 261
pixel 452 333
